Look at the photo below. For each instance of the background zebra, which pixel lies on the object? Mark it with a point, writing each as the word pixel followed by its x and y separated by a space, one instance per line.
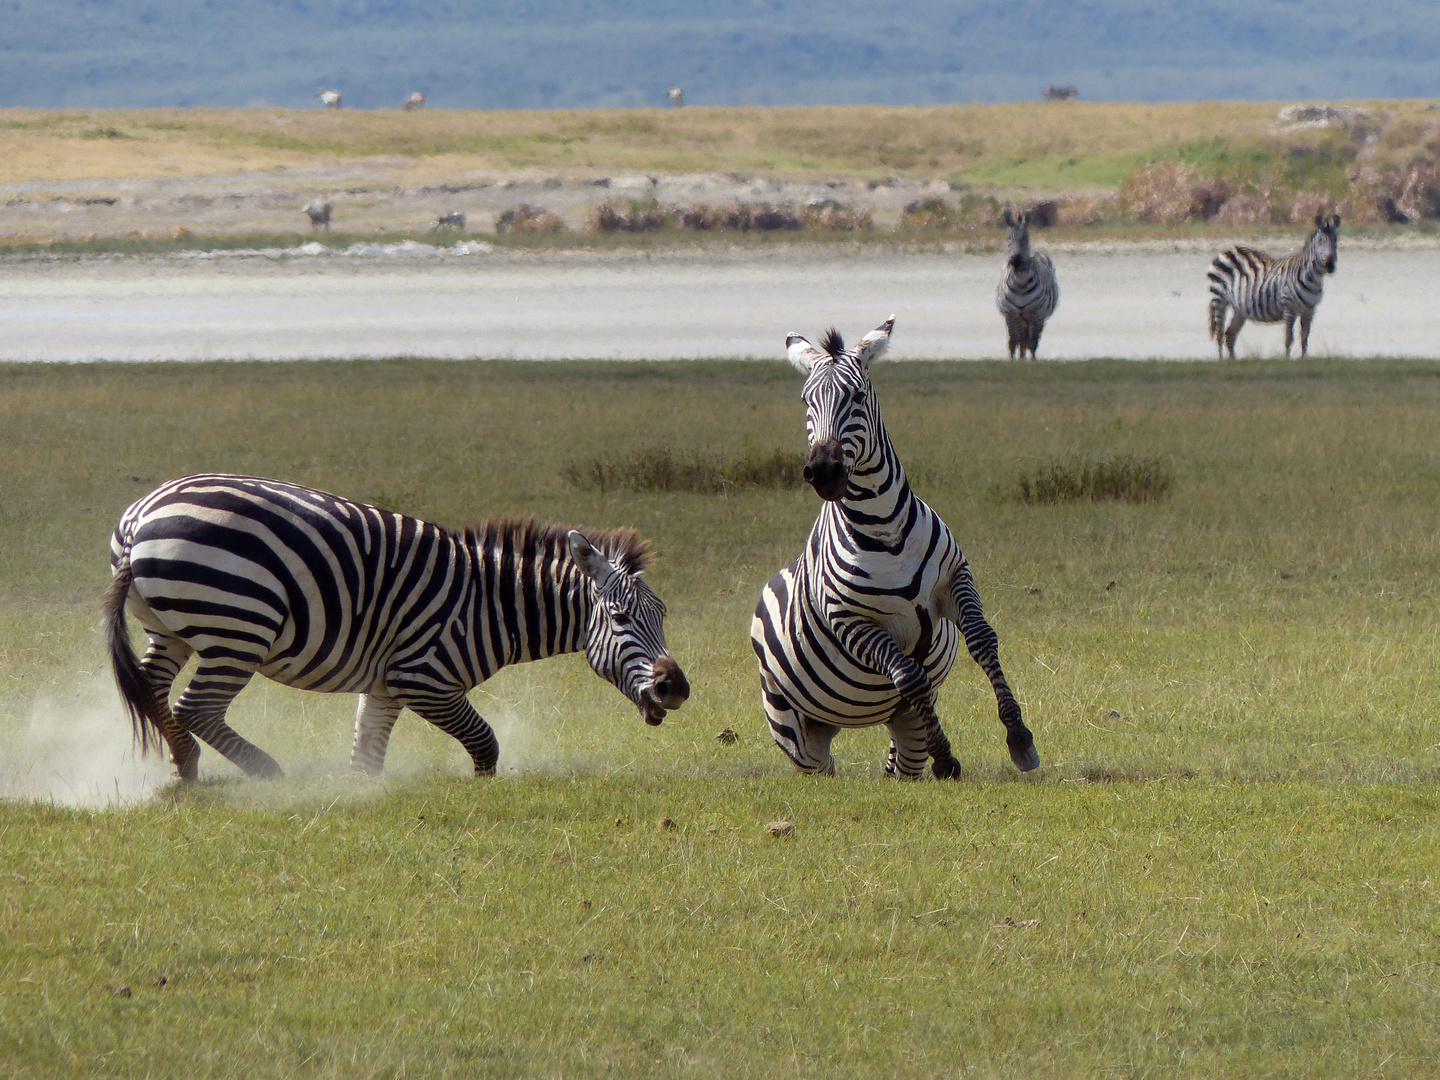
pixel 862 628
pixel 1261 287
pixel 319 215
pixel 329 98
pixel 1028 292
pixel 416 100
pixel 321 593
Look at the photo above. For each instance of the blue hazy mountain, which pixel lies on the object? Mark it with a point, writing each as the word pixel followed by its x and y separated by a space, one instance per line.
pixel 580 53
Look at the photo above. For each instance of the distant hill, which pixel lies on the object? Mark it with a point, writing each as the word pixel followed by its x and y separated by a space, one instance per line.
pixel 587 53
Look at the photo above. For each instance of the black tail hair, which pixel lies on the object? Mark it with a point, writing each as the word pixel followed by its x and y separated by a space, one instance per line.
pixel 135 689
pixel 832 342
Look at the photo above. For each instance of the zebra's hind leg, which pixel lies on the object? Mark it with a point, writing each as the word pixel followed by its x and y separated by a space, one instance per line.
pixel 984 647
pixel 201 710
pixel 374 720
pixel 455 716
pixel 1236 322
pixel 163 659
pixel 805 742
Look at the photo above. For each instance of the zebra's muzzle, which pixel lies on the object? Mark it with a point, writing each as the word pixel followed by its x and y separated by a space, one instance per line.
pixel 668 691
pixel 825 470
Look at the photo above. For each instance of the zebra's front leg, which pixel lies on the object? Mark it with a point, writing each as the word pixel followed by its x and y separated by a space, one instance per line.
pixel 1036 329
pixel 873 646
pixel 1289 333
pixel 455 716
pixel 805 742
pixel 1305 320
pixel 914 737
pixel 374 720
pixel 984 647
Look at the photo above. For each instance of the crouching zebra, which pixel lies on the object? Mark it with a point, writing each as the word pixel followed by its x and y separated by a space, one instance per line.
pixel 1028 293
pixel 322 593
pixel 1261 287
pixel 862 629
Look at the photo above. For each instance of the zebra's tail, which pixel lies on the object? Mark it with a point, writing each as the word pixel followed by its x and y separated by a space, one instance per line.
pixel 135 689
pixel 1220 273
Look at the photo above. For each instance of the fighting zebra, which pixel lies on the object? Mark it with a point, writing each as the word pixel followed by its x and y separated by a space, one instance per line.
pixel 416 100
pixel 322 593
pixel 1028 292
pixel 329 98
pixel 862 629
pixel 1261 287
pixel 319 214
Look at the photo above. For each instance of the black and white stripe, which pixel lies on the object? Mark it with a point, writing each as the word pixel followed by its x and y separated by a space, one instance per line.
pixel 1266 289
pixel 863 628
pixel 1028 293
pixel 322 593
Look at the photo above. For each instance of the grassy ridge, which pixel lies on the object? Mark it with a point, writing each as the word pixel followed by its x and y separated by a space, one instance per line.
pixel 1226 866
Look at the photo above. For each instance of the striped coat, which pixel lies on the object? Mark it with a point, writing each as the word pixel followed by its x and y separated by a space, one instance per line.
pixel 322 593
pixel 1266 289
pixel 1028 293
pixel 864 627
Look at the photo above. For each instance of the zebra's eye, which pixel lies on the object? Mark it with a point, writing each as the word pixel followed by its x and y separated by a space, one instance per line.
pixel 619 618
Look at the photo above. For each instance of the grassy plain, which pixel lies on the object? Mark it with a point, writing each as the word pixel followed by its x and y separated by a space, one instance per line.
pixel 1226 868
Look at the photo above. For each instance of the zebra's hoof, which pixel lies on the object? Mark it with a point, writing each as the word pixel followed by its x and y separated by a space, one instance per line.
pixel 1025 759
pixel 948 769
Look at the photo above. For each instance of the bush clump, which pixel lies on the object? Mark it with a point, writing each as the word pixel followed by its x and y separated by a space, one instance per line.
pixel 636 217
pixel 660 468
pixel 1119 478
pixel 529 219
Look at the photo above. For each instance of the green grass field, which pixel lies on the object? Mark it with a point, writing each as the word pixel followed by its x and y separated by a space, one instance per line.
pixel 1227 867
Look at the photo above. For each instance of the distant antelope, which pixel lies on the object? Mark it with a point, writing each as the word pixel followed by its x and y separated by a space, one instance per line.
pixel 453 220
pixel 415 101
pixel 1059 93
pixel 319 215
pixel 330 98
pixel 675 96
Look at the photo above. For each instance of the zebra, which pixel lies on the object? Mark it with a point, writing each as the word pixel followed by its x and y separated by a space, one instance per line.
pixel 1028 292
pixel 453 219
pixel 329 98
pixel 863 628
pixel 322 593
pixel 675 96
pixel 1261 287
pixel 416 100
pixel 319 214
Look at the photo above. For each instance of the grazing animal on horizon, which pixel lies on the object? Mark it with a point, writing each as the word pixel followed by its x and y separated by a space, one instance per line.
pixel 1028 293
pixel 863 628
pixel 1269 289
pixel 675 96
pixel 1059 93
pixel 322 593
pixel 452 220
pixel 329 98
pixel 319 214
pixel 416 100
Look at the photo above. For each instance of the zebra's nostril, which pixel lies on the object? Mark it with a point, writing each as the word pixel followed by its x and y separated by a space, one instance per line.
pixel 662 688
pixel 808 474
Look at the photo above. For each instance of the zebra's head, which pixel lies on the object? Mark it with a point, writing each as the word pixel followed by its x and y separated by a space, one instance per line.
pixel 1325 241
pixel 625 635
pixel 842 419
pixel 1017 240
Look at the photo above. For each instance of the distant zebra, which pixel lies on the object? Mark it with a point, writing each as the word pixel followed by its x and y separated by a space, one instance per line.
pixel 1028 293
pixel 322 593
pixel 329 98
pixel 319 214
pixel 675 96
pixel 416 100
pixel 862 628
pixel 452 220
pixel 1261 287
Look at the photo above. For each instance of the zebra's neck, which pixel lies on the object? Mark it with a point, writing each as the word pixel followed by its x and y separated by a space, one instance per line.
pixel 877 505
pixel 530 599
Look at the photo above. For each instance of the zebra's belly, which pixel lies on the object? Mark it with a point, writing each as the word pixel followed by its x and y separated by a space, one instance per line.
pixel 801 661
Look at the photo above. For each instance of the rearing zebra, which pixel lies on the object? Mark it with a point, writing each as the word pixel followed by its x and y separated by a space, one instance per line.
pixel 862 628
pixel 1261 287
pixel 1028 293
pixel 322 593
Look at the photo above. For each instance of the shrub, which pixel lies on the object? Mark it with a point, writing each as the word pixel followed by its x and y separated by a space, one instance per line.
pixel 1168 193
pixel 637 217
pixel 833 216
pixel 662 469
pixel 1119 478
pixel 529 219
pixel 931 213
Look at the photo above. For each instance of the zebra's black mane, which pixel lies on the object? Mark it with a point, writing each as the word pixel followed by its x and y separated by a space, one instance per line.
pixel 832 342
pixel 625 548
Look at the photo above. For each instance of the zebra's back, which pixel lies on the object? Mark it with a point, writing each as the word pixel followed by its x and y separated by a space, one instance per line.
pixel 317 591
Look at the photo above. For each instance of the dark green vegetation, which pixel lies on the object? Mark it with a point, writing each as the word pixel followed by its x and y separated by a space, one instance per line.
pixel 565 53
pixel 1123 478
pixel 1225 868
pixel 659 468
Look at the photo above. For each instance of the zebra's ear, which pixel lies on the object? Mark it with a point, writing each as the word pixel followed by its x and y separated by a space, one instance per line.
pixel 1335 221
pixel 592 564
pixel 873 345
pixel 801 353
pixel 1320 221
pixel 1009 218
pixel 1024 217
